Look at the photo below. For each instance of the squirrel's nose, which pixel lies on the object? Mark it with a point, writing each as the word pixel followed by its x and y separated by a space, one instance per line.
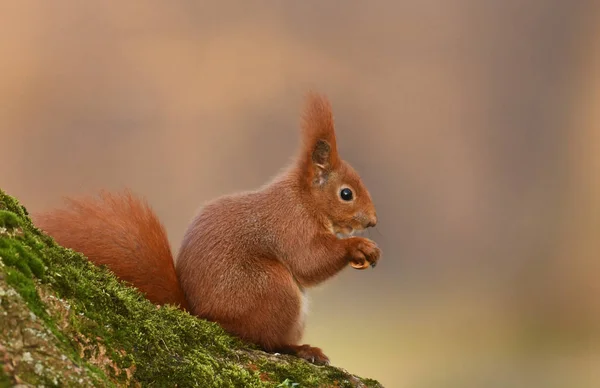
pixel 372 220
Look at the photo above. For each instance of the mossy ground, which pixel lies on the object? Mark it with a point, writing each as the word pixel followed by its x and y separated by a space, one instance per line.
pixel 66 322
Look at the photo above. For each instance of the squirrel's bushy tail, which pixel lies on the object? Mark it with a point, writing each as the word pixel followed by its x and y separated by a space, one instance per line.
pixel 121 231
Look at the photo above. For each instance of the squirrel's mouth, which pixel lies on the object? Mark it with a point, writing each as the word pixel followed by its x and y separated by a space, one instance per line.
pixel 346 231
pixel 345 234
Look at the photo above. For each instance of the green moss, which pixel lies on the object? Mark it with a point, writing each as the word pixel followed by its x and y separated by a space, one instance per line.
pixel 305 374
pixel 8 219
pixel 371 383
pixel 26 288
pixel 5 380
pixel 25 259
pixel 120 338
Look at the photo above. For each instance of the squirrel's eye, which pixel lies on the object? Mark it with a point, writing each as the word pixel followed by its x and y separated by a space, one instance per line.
pixel 346 194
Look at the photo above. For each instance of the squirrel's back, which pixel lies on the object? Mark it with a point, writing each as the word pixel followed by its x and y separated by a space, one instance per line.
pixel 232 236
pixel 121 231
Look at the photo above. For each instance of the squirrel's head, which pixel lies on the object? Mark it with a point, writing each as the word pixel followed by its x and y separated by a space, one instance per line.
pixel 335 188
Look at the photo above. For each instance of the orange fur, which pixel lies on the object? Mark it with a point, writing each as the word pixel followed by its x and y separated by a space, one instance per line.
pixel 246 259
pixel 318 124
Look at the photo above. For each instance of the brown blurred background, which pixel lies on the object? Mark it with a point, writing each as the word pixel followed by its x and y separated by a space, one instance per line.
pixel 476 126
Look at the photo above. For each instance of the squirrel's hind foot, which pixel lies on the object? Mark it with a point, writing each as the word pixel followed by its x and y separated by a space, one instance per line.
pixel 306 352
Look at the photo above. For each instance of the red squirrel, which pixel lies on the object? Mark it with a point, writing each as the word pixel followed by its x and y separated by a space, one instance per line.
pixel 246 259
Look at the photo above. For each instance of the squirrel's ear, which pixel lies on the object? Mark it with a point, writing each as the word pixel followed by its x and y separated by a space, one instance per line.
pixel 320 149
pixel 321 161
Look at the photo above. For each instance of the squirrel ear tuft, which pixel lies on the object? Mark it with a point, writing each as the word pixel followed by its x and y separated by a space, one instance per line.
pixel 321 165
pixel 318 135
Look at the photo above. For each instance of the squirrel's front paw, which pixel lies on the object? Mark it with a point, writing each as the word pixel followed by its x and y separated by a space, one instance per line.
pixel 362 252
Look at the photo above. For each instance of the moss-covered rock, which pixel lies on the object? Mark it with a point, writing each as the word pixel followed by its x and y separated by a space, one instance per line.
pixel 66 322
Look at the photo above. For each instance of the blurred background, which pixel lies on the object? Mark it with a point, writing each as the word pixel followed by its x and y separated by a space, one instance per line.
pixel 476 126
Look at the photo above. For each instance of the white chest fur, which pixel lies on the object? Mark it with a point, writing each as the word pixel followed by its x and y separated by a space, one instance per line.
pixel 304 307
